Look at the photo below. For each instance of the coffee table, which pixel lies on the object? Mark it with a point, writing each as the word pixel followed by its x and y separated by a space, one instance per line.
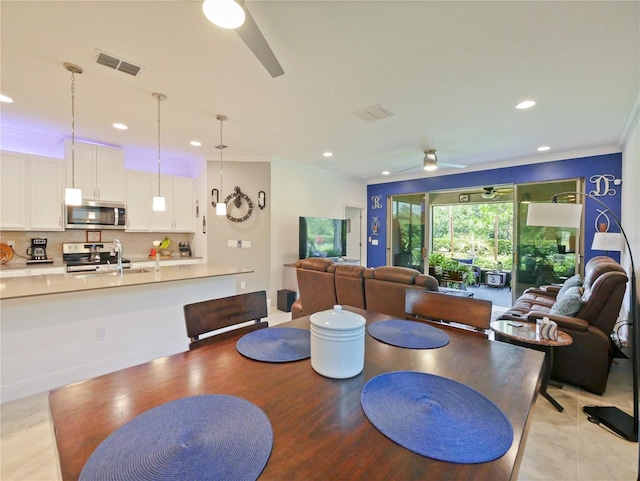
pixel 525 333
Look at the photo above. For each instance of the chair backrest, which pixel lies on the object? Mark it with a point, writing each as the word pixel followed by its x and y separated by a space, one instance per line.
pixel 215 314
pixel 441 307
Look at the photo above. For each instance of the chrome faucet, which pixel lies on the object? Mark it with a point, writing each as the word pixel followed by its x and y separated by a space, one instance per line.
pixel 118 246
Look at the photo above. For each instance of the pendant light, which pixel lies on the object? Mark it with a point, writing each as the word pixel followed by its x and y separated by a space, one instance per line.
pixel 223 13
pixel 221 207
pixel 73 196
pixel 158 202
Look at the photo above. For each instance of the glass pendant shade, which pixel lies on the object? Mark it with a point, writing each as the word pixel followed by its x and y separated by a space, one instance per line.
pixel 221 208
pixel 158 204
pixel 72 196
pixel 223 13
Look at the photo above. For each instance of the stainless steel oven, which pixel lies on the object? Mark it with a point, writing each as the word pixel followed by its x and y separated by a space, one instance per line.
pixel 95 215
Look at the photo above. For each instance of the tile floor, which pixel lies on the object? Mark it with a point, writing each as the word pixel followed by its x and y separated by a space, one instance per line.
pixel 560 446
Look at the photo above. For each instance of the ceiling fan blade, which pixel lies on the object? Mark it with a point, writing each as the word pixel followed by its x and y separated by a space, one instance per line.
pixel 453 166
pixel 252 36
pixel 410 168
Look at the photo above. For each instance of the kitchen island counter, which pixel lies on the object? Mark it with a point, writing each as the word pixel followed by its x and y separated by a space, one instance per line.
pixel 62 328
pixel 18 287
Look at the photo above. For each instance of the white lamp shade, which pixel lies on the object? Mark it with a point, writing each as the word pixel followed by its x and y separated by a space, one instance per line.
pixel 555 215
pixel 607 241
pixel 72 196
pixel 223 13
pixel 158 204
pixel 221 208
pixel 430 167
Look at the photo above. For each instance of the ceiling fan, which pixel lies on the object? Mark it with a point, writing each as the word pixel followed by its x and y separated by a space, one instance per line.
pixel 430 162
pixel 491 193
pixel 234 15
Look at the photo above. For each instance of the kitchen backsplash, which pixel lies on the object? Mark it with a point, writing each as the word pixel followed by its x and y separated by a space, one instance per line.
pixel 135 244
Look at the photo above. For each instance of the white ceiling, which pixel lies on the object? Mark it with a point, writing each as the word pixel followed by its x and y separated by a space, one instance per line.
pixel 451 72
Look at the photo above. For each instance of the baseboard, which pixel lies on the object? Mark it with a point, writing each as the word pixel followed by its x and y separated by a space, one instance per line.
pixel 88 371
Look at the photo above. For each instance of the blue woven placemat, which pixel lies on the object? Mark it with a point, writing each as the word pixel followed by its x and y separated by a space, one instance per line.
pixel 437 417
pixel 276 344
pixel 210 437
pixel 409 334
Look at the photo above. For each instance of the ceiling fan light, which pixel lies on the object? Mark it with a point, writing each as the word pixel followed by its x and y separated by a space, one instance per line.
pixel 430 160
pixel 223 13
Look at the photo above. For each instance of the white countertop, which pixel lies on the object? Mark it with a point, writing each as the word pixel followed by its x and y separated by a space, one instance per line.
pixel 20 287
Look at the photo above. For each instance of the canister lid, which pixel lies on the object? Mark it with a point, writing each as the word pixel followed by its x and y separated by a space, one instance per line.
pixel 337 319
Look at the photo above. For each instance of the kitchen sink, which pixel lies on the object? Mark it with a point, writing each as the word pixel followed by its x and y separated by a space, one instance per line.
pixel 126 272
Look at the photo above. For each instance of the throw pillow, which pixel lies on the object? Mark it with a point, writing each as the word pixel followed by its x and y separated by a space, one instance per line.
pixel 574 281
pixel 569 304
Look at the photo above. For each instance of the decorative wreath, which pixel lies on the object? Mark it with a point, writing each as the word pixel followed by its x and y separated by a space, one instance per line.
pixel 238 197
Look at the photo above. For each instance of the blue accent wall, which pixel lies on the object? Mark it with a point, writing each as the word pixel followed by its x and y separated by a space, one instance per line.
pixel 584 167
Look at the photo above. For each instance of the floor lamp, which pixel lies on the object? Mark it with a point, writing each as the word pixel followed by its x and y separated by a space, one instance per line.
pixel 569 215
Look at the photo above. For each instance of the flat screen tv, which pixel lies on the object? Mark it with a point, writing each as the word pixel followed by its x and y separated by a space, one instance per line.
pixel 322 237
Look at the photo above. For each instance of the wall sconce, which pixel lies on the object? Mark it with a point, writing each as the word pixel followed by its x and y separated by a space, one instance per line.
pixel 215 197
pixel 262 199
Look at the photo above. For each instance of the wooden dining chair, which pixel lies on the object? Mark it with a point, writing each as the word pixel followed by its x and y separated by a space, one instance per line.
pixel 231 312
pixel 454 311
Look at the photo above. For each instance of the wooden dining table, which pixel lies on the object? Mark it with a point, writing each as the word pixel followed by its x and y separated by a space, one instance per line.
pixel 320 430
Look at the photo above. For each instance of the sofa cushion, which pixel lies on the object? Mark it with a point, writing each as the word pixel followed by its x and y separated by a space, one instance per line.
pixel 402 275
pixel 574 281
pixel 569 303
pixel 315 263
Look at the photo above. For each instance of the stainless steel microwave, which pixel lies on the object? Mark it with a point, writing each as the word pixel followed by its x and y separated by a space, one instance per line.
pixel 95 215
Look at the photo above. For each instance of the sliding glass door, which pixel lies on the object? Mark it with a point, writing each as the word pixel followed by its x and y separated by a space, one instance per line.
pixel 407 233
pixel 544 255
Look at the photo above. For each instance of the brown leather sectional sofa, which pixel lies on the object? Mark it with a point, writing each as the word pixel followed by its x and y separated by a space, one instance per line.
pixel 586 362
pixel 323 284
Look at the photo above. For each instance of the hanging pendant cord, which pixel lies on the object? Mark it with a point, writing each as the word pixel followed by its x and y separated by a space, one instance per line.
pixel 159 100
pixel 73 129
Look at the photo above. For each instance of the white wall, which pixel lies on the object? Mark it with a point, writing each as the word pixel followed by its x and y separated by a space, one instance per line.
pixel 298 191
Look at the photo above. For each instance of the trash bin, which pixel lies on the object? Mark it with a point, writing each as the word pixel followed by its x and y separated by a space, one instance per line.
pixel 285 299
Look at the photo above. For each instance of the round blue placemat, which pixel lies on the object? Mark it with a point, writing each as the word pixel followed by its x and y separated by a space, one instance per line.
pixel 210 437
pixel 409 334
pixel 437 417
pixel 276 344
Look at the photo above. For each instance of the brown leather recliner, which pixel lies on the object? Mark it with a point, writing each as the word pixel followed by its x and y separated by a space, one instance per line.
pixel 586 362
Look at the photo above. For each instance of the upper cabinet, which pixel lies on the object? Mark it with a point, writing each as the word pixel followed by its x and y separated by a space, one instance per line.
pixel 179 199
pixel 13 181
pixel 46 193
pixel 31 192
pixel 139 198
pixel 99 171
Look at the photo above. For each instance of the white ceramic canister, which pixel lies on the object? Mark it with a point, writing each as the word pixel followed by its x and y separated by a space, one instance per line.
pixel 337 343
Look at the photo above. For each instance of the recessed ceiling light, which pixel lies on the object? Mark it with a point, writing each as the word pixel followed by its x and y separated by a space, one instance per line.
pixel 4 98
pixel 327 154
pixel 543 148
pixel 195 143
pixel 386 172
pixel 120 126
pixel 526 104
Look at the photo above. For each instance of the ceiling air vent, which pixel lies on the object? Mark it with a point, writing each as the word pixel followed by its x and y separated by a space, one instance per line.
pixel 373 113
pixel 116 63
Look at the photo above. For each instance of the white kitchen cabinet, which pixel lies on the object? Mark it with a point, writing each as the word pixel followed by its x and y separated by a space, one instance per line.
pixel 99 171
pixel 31 192
pixel 179 200
pixel 139 200
pixel 45 193
pixel 13 199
